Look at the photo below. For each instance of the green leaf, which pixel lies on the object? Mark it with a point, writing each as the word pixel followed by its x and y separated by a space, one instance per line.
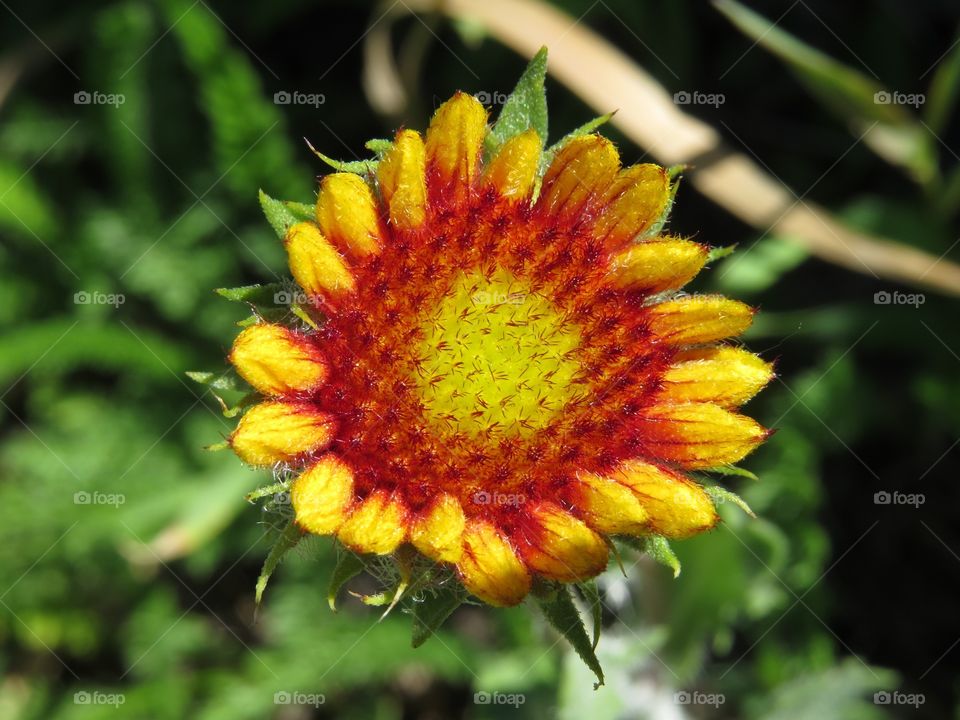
pixel 943 91
pixel 722 495
pixel 430 614
pixel 591 594
pixel 887 128
pixel 290 536
pixel 525 108
pixel 349 565
pixel 558 607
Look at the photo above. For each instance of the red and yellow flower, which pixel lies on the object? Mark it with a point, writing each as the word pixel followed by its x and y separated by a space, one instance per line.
pixel 500 371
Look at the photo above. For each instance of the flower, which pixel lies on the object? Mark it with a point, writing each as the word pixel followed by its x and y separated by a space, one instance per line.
pixel 499 370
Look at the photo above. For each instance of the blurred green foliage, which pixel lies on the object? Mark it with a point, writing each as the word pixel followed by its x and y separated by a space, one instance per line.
pixel 128 556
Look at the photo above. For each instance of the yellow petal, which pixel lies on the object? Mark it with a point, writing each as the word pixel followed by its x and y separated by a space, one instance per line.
pixel 658 265
pixel 514 169
pixel 726 376
pixel 699 435
pixel 402 177
pixel 322 495
pixel 454 139
pixel 635 200
pixel 563 547
pixel 489 567
pixel 677 506
pixel 277 361
pixel 275 432
pixel 609 507
pixel 699 319
pixel 438 532
pixel 316 265
pixel 347 214
pixel 580 173
pixel 377 525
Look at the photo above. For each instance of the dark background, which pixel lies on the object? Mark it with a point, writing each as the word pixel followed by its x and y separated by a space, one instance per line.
pixel 807 611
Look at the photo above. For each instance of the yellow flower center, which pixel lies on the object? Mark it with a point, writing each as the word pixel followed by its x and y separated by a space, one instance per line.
pixel 497 358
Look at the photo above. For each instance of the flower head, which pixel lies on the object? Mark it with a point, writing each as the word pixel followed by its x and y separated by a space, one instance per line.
pixel 498 369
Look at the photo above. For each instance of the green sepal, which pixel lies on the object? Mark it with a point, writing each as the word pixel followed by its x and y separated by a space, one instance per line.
pixel 349 565
pixel 430 613
pixel 265 491
pixel 290 536
pixel 722 495
pixel 657 547
pixel 224 381
pixel 252 294
pixel 525 107
pixel 718 253
pixel 591 595
pixel 357 167
pixel 281 214
pixel 378 146
pixel 585 129
pixel 556 603
pixel 732 471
